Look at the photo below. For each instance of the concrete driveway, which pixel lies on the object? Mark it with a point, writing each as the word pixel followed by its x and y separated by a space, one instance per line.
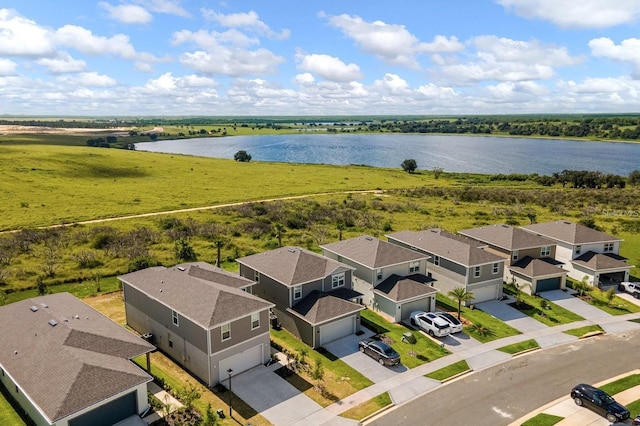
pixel 516 319
pixel 575 305
pixel 458 342
pixel 346 349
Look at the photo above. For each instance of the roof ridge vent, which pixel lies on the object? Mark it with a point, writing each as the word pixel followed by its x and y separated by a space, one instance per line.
pixel 34 308
pixel 53 322
pixel 180 268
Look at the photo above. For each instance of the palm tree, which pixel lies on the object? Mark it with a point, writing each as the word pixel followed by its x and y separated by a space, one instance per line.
pixel 460 294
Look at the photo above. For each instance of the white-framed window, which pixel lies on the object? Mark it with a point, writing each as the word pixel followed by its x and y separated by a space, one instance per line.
pixel 608 247
pixel 256 277
pixel 297 292
pixel 379 274
pixel 337 280
pixel 255 320
pixel 495 268
pixel 545 251
pixel 174 318
pixel 514 255
pixel 436 260
pixel 476 271
pixel 578 249
pixel 225 331
pixel 414 267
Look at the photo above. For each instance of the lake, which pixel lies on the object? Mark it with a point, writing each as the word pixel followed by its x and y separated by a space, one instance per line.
pixel 473 154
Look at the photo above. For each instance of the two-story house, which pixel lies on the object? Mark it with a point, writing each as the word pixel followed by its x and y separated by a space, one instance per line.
pixel 529 258
pixel 392 278
pixel 201 316
pixel 585 251
pixel 456 261
pixel 313 295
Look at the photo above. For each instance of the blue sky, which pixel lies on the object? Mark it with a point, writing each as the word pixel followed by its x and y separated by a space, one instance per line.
pixel 277 57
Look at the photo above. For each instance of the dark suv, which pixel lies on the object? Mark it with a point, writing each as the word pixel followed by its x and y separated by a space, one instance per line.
pixel 600 402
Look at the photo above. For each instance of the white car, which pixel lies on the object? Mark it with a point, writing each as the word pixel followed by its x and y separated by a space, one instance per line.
pixel 431 323
pixel 631 288
pixel 454 323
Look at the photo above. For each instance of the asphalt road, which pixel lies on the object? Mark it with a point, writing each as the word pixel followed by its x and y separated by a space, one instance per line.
pixel 501 394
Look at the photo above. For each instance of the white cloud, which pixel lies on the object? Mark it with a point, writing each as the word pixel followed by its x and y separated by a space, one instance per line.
pixel 127 13
pixel 171 7
pixel 628 51
pixel 392 84
pixel 86 42
pixel 211 40
pixel 577 14
pixel 88 79
pixel 503 49
pixel 328 67
pixel 392 43
pixel 249 21
pixel 63 63
pixel 7 67
pixel 23 37
pixel 232 62
pixel 304 79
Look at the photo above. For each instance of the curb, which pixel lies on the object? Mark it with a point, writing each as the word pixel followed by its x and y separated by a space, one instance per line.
pixel 591 334
pixel 365 419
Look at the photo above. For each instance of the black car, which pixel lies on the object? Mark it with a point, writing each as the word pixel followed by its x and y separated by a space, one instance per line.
pixel 379 351
pixel 599 401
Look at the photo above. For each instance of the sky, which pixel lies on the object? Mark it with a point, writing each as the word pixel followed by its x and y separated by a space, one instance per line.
pixel 318 57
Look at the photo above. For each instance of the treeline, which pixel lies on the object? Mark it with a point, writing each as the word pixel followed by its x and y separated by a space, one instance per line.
pixel 575 178
pixel 112 142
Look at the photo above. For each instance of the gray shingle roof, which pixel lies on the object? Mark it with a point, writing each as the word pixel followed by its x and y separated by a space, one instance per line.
pixel 569 232
pixel 534 268
pixel 601 262
pixel 399 288
pixel 507 237
pixel 209 272
pixel 205 302
pixel 319 307
pixel 293 266
pixel 82 360
pixel 458 249
pixel 372 252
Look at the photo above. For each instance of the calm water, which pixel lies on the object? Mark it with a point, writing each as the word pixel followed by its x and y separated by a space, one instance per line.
pixel 451 153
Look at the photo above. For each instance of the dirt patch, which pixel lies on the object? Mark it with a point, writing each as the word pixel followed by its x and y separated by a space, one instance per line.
pixel 109 304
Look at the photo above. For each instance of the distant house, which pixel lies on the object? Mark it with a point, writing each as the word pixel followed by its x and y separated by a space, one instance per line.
pixel 201 316
pixel 392 278
pixel 456 261
pixel 585 251
pixel 67 364
pixel 529 258
pixel 313 295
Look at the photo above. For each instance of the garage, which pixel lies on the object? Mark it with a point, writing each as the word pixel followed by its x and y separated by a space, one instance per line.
pixel 109 413
pixel 548 284
pixel 337 329
pixel 416 305
pixel 483 294
pixel 241 362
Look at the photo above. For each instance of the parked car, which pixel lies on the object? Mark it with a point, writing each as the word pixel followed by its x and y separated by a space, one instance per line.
pixel 379 351
pixel 431 323
pixel 454 323
pixel 631 288
pixel 599 401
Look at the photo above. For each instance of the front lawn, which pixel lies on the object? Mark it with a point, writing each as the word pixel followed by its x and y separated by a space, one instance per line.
pixel 449 371
pixel 367 408
pixel 478 324
pixel 339 379
pixel 583 331
pixel 412 355
pixel 622 384
pixel 541 309
pixel 520 347
pixel 599 298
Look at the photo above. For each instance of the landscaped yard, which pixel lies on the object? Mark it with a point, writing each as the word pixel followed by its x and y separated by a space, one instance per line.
pixel 598 298
pixel 478 324
pixel 541 309
pixel 412 355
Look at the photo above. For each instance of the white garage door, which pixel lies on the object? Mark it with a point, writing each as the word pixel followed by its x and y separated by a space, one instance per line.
pixel 240 362
pixel 337 329
pixel 485 293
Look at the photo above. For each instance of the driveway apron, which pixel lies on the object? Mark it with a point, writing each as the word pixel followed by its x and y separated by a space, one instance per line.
pixel 513 317
pixel 575 305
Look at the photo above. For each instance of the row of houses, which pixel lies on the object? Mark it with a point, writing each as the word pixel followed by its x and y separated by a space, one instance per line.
pixel 214 322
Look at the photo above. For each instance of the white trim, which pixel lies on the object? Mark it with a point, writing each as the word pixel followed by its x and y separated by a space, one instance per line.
pixel 222 332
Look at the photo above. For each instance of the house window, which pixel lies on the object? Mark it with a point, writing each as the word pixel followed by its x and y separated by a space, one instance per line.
pixel 379 274
pixel 495 268
pixel 256 277
pixel 608 247
pixel 545 251
pixel 578 249
pixel 297 292
pixel 170 343
pixel 174 317
pixel 476 271
pixel 226 331
pixel 436 260
pixel 414 267
pixel 514 255
pixel 337 280
pixel 255 320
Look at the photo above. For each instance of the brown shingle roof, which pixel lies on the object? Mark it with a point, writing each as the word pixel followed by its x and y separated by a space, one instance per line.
pixel 372 252
pixel 569 232
pixel 293 266
pixel 601 262
pixel 399 288
pixel 534 268
pixel 461 250
pixel 73 365
pixel 507 237
pixel 207 303
pixel 319 307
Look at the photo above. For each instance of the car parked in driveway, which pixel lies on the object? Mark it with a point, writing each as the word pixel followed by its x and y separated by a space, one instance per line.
pixel 379 351
pixel 631 288
pixel 599 401
pixel 454 323
pixel 434 325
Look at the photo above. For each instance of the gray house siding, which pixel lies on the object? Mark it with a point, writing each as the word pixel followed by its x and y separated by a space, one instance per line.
pixel 486 273
pixel 268 288
pixel 240 331
pixel 262 339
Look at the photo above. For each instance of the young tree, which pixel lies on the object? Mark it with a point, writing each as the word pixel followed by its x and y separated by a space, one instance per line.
pixel 318 373
pixel 634 178
pixel 409 165
pixel 437 171
pixel 242 156
pixel 461 295
pixel 184 251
